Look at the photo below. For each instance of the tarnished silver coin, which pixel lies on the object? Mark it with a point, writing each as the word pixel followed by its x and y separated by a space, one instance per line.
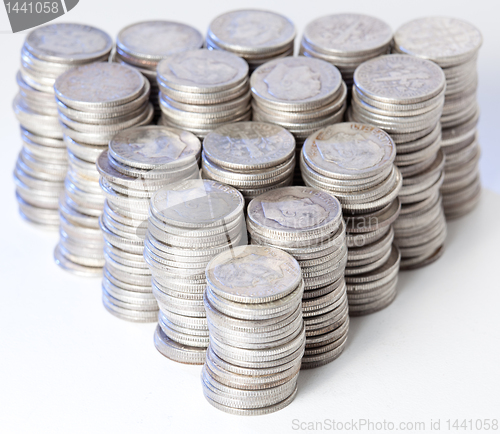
pixel 349 150
pixel 253 274
pixel 296 83
pixel 399 79
pixel 202 71
pixel 152 41
pixel 155 147
pixel 249 145
pixel 251 31
pixel 354 34
pixel 68 43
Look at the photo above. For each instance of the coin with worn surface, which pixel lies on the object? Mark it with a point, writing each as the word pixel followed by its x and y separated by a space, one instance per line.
pixel 398 78
pixel 68 43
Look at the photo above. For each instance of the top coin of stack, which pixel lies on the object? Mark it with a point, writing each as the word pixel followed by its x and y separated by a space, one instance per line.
pixel 404 96
pixel 255 35
pixel 143 45
pixel 354 162
pixel 346 41
pixel 453 44
pixel 202 90
pixel 253 157
pixel 253 305
pixel 48 51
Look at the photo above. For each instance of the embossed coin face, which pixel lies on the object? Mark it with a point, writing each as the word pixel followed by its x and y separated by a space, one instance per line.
pixel 154 40
pixel 347 33
pixel 202 71
pixel 99 83
pixel 295 209
pixel 151 147
pixel 249 145
pixel 299 81
pixel 248 31
pixel 351 149
pixel 253 273
pixel 197 203
pixel 398 78
pixel 443 40
pixel 68 43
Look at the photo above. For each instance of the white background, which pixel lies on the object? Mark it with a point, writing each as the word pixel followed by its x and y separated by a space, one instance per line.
pixel 67 366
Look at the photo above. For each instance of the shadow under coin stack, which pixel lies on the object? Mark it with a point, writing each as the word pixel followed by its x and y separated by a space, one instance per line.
pixel 257 336
pixel 253 157
pixel 95 102
pixel 299 94
pixel 307 223
pixel 404 96
pixel 143 45
pixel 255 35
pixel 48 51
pixel 346 41
pixel 138 163
pixel 202 90
pixel 189 223
pixel 453 44
pixel 354 162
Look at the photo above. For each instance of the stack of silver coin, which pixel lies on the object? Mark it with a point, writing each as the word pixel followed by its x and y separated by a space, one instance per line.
pixel 189 223
pixel 253 157
pixel 404 96
pixel 143 45
pixel 255 35
pixel 257 335
pixel 138 163
pixel 95 102
pixel 41 167
pixel 201 90
pixel 307 223
pixel 300 94
pixel 346 41
pixel 355 163
pixel 454 45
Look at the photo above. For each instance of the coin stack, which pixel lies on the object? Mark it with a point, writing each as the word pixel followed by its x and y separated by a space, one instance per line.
pixel 41 167
pixel 255 35
pixel 307 223
pixel 300 94
pixel 454 45
pixel 253 157
pixel 143 45
pixel 404 96
pixel 355 163
pixel 257 335
pixel 95 102
pixel 139 162
pixel 202 90
pixel 189 223
pixel 346 41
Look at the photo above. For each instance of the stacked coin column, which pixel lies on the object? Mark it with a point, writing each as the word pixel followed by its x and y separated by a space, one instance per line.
pixel 189 223
pixel 404 96
pixel 143 45
pixel 354 162
pixel 454 45
pixel 202 90
pixel 42 164
pixel 346 41
pixel 253 157
pixel 95 102
pixel 299 94
pixel 255 35
pixel 257 336
pixel 307 223
pixel 139 162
